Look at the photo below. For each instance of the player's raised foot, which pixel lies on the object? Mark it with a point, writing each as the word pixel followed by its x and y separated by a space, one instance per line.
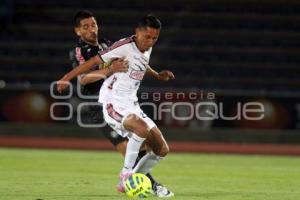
pixel 161 191
pixel 123 177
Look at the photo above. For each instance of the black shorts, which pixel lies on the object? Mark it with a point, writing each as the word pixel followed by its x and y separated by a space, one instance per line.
pixel 109 133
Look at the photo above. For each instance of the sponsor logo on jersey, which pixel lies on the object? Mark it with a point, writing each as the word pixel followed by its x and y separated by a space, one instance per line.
pixel 137 75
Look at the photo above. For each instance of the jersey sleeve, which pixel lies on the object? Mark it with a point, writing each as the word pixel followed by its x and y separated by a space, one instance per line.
pixel 117 50
pixel 111 54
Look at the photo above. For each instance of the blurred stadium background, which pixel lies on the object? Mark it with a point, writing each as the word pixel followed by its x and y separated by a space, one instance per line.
pixel 241 51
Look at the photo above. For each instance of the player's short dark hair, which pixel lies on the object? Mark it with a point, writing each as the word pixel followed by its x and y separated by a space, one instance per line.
pixel 80 15
pixel 149 21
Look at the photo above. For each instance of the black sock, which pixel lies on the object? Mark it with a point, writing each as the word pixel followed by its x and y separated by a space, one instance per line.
pixel 142 153
pixel 153 181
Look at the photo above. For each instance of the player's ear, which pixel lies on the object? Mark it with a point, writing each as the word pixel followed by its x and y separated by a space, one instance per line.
pixel 77 31
pixel 137 30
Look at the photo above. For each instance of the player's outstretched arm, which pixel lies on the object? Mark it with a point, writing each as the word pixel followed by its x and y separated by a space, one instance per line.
pixel 117 65
pixel 61 84
pixel 164 75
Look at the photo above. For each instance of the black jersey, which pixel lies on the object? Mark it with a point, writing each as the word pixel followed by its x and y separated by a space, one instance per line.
pixel 83 52
pixel 79 55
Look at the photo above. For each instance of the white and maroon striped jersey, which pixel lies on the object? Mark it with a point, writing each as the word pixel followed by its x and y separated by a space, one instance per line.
pixel 123 87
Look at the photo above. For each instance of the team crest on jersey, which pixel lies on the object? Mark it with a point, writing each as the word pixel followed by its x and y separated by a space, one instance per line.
pixel 137 75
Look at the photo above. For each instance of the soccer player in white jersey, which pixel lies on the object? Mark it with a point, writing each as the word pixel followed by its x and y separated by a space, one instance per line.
pixel 118 95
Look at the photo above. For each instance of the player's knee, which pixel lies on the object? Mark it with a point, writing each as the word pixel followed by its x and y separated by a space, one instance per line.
pixel 136 125
pixel 164 150
pixel 141 130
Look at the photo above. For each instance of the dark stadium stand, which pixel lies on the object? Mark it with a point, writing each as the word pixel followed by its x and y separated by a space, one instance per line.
pixel 249 46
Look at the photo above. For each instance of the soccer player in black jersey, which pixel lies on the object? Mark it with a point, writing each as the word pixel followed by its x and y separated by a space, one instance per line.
pixel 89 45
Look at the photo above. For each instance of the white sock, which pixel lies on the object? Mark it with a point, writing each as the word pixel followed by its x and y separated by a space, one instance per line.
pixel 146 163
pixel 132 151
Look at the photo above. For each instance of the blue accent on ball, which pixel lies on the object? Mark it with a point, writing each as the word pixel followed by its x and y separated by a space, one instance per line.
pixel 137 180
pixel 130 179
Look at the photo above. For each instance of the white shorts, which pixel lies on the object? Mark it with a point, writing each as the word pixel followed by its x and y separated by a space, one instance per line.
pixel 115 114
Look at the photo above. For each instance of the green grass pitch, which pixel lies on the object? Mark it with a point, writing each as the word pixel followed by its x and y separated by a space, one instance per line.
pixel 92 175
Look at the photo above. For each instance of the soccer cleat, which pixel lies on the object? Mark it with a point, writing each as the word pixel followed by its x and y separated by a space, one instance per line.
pixel 120 187
pixel 123 177
pixel 161 191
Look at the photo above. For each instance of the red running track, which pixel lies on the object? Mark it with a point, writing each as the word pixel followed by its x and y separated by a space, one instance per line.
pixel 175 146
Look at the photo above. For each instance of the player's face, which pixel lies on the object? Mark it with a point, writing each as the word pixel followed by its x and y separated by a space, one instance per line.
pixel 88 30
pixel 146 37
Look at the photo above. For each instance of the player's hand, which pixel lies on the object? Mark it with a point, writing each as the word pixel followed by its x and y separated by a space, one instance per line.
pixel 62 85
pixel 119 65
pixel 165 75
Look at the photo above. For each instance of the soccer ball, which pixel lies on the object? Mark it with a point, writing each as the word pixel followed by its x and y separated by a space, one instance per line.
pixel 138 185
